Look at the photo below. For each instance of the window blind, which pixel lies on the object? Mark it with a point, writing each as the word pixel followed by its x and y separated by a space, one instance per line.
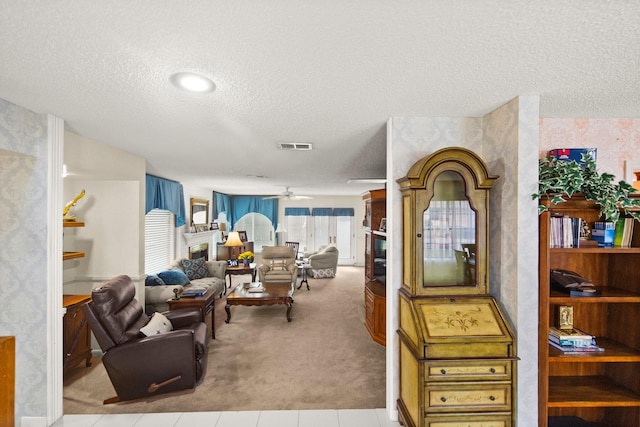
pixel 159 247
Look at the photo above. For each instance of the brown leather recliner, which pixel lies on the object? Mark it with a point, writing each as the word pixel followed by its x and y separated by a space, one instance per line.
pixel 141 366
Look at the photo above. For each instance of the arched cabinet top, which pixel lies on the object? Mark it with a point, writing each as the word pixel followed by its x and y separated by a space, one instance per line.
pixel 452 158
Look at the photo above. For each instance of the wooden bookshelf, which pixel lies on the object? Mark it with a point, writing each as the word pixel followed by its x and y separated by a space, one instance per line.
pixel 602 388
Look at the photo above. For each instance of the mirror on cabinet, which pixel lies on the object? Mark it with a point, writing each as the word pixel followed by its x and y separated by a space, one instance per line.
pixel 199 211
pixel 449 230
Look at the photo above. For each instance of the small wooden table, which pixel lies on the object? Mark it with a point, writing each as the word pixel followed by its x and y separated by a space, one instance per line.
pixel 240 270
pixel 206 304
pixel 279 293
pixel 76 333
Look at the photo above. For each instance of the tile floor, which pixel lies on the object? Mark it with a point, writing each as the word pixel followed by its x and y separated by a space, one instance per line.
pixel 303 418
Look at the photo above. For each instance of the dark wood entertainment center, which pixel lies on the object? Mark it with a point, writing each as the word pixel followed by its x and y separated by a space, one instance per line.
pixel 375 292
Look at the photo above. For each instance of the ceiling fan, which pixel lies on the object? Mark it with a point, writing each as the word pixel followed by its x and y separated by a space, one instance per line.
pixel 287 195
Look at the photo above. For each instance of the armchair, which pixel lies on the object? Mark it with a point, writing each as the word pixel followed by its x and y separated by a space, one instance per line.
pixel 141 366
pixel 324 262
pixel 278 265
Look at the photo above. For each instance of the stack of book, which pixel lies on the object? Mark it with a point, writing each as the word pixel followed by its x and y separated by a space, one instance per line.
pixel 193 292
pixel 255 287
pixel 572 340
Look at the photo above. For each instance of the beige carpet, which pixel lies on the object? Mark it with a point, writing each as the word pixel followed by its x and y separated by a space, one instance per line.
pixel 323 359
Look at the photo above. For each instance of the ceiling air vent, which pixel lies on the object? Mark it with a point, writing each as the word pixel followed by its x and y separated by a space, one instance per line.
pixel 300 146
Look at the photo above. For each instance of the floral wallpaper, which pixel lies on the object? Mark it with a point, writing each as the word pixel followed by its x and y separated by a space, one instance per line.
pixel 507 140
pixel 23 253
pixel 617 140
pixel 510 141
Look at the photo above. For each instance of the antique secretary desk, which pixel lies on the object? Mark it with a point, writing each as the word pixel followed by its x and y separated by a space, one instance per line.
pixel 457 349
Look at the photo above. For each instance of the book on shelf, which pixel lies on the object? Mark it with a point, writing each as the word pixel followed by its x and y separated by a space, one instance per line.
pixel 571 338
pixel 574 334
pixel 565 232
pixel 568 349
pixel 603 232
pixel 623 232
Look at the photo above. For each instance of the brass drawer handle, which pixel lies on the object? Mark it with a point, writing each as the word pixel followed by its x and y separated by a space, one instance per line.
pixel 492 370
pixel 443 371
pixel 443 399
pixel 492 398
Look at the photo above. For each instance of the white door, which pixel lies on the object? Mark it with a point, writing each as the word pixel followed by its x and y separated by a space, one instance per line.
pixel 345 239
pixel 337 230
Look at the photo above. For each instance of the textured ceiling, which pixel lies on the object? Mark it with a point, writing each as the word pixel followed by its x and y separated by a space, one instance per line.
pixel 326 72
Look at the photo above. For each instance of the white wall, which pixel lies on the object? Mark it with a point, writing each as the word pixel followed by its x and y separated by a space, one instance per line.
pixel 113 212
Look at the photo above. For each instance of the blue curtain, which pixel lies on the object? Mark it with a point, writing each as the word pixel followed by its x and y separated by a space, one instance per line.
pixel 221 203
pixel 165 194
pixel 322 212
pixel 235 207
pixel 297 212
pixel 342 211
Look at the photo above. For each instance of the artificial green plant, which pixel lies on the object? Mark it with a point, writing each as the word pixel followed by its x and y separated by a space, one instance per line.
pixel 560 180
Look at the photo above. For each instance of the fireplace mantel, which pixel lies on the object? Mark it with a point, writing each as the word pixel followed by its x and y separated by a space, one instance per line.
pixel 192 239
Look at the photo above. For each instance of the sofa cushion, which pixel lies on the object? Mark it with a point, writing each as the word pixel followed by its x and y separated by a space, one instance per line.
pixel 153 280
pixel 174 277
pixel 159 324
pixel 323 273
pixel 195 268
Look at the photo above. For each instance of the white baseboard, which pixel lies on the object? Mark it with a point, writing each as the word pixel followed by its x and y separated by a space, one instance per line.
pixel 33 422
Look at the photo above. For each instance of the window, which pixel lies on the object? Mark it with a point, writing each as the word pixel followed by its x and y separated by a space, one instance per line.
pixel 159 245
pixel 259 230
pixel 297 230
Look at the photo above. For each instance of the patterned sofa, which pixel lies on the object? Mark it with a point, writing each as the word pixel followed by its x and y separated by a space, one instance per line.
pixel 183 274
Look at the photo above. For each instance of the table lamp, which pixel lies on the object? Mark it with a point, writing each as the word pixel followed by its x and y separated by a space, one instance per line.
pixel 233 239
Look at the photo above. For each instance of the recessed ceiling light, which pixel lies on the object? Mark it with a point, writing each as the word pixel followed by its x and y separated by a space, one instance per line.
pixel 193 82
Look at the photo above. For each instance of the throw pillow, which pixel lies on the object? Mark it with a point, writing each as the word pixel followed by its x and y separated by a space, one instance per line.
pixel 323 273
pixel 158 324
pixel 195 268
pixel 153 280
pixel 174 277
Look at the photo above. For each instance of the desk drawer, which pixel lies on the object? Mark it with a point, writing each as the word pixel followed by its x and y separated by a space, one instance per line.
pixel 471 397
pixel 484 370
pixel 469 420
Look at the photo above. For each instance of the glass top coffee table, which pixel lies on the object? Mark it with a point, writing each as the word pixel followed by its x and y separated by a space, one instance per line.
pixel 273 293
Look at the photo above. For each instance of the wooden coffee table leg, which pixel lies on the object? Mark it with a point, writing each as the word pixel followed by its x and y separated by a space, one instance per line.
pixel 227 308
pixel 289 305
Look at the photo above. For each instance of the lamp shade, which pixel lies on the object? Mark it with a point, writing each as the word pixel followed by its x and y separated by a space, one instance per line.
pixel 280 228
pixel 233 239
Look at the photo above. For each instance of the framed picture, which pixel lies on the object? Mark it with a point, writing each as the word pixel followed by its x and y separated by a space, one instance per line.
pixel 214 226
pixel 243 236
pixel 232 262
pixel 383 224
pixel 201 227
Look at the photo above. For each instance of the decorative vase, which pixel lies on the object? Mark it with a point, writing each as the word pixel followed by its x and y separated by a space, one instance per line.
pixel 246 262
